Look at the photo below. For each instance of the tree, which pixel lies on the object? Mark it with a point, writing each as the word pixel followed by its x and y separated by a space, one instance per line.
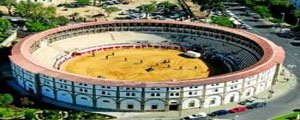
pixel 218 6
pixel 297 15
pixel 29 115
pixel 148 8
pixel 5 25
pixel 251 3
pixel 281 3
pixel 263 11
pixel 167 6
pixel 110 10
pixel 6 99
pixel 35 11
pixel 8 4
pixel 39 17
pixel 83 2
pixel 37 26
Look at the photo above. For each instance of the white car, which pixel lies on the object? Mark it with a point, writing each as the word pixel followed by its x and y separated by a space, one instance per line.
pixel 174 16
pixel 197 116
pixel 246 26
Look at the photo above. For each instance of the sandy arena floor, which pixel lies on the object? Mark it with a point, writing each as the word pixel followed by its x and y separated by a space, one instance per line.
pixel 134 69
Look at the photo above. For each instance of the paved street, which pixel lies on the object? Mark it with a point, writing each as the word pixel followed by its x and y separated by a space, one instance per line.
pixel 289 101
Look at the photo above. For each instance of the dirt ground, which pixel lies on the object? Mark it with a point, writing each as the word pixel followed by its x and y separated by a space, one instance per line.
pixel 89 11
pixel 134 68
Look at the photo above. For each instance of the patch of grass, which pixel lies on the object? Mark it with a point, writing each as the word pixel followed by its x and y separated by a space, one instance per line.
pixel 222 21
pixel 290 116
pixel 79 115
pixel 10 112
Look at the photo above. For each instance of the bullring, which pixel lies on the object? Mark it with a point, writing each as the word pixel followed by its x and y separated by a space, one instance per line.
pixel 251 62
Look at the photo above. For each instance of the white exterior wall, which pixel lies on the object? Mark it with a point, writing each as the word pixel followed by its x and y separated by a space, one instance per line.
pixel 216 98
pixel 187 102
pixel 111 93
pixel 83 90
pixel 234 87
pixel 84 100
pixel 248 92
pixel 160 95
pixel 212 91
pixel 30 86
pixel 20 81
pixel 62 86
pixel 160 104
pixel 217 85
pixel 106 87
pixel 48 92
pixel 156 89
pixel 62 91
pixel 64 96
pixel 106 103
pixel 131 94
pixel 128 102
pixel 235 96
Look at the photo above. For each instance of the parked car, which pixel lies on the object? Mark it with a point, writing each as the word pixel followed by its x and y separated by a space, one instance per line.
pixel 124 13
pixel 159 17
pixel 247 26
pixel 238 109
pixel 219 113
pixel 296 110
pixel 174 16
pixel 295 43
pixel 247 101
pixel 74 5
pixel 256 105
pixel 197 116
pixel 288 35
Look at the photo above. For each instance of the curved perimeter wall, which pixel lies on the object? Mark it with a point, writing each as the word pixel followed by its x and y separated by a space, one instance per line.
pixel 75 91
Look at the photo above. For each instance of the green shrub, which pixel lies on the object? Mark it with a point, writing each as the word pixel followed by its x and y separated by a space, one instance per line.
pixel 296 29
pixel 37 26
pixel 223 21
pixel 29 115
pixel 264 11
pixel 275 20
pixel 6 99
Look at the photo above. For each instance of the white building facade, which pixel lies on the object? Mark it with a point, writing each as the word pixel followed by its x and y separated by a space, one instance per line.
pixel 143 99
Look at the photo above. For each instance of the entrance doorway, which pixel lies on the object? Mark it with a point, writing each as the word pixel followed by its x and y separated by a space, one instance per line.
pixel 173 107
pixel 232 99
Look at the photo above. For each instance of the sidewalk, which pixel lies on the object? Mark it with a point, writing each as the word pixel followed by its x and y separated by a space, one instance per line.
pixel 282 87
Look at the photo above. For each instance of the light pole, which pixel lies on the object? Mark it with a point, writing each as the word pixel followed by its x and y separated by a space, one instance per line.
pixel 282 21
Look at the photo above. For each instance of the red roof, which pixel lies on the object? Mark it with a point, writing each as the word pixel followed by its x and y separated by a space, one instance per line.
pixel 273 55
